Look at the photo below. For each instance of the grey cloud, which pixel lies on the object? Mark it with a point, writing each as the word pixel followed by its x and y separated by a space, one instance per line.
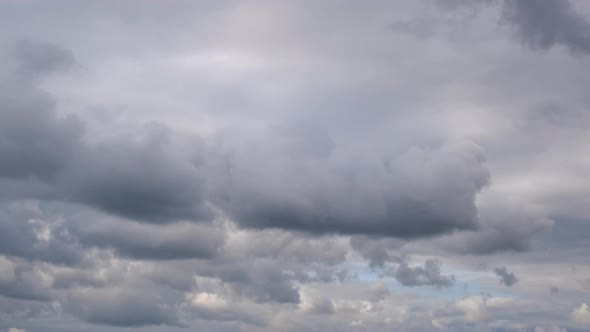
pixel 314 126
pixel 145 241
pixel 215 300
pixel 319 272
pixel 141 177
pixel 545 23
pixel 263 282
pixel 14 309
pixel 63 234
pixel 306 141
pixel 506 278
pixel 506 224
pixel 148 177
pixel 260 280
pixel 418 193
pixel 34 142
pixel 26 284
pixel 247 278
pixel 123 305
pixel 24 234
pixel 35 236
pixel 447 20
pixel 455 4
pixel 377 251
pixel 319 306
pixel 289 246
pixel 230 314
pixel 66 279
pixel 428 275
pixel 119 293
pixel 540 25
pixel 178 275
pixel 42 57
pixel 550 329
pixel 378 292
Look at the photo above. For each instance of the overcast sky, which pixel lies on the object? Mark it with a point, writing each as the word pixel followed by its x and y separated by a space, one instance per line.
pixel 295 166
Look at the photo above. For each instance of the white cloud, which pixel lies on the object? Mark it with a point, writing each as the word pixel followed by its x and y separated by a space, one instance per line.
pixel 474 308
pixel 208 300
pixel 581 315
pixel 550 329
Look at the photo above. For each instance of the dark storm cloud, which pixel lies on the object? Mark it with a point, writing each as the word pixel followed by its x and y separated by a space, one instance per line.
pixel 427 275
pixel 506 278
pixel 418 193
pixel 542 24
pixel 141 177
pixel 150 177
pixel 34 142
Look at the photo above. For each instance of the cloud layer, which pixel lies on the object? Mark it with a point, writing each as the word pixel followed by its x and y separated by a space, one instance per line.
pixel 333 166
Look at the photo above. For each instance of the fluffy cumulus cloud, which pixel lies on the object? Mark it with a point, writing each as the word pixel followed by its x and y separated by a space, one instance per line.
pixel 581 315
pixel 302 166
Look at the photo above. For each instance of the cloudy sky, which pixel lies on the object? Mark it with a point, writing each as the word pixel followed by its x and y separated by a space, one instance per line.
pixel 294 166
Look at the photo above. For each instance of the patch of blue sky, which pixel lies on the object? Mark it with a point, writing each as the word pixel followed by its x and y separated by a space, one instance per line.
pixel 466 283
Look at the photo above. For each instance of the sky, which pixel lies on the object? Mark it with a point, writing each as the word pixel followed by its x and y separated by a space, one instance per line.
pixel 294 166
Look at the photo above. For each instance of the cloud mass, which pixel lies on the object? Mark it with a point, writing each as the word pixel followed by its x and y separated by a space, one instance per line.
pixel 302 166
